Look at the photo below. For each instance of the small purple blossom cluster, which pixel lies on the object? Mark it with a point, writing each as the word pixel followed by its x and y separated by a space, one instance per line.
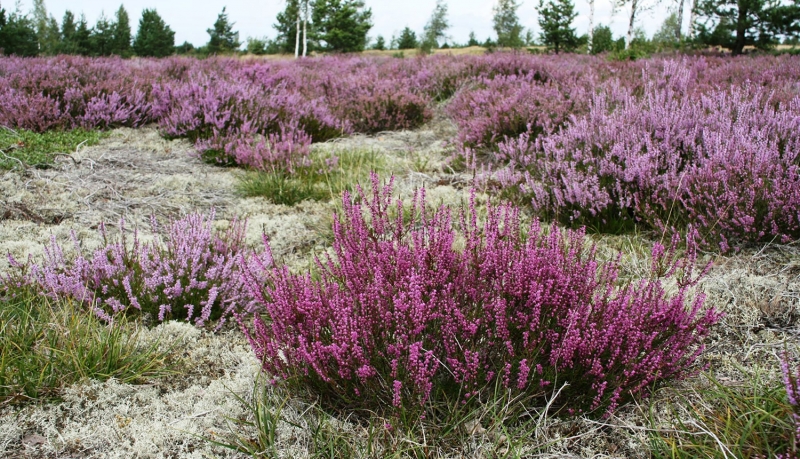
pixel 791 381
pixel 188 272
pixel 401 311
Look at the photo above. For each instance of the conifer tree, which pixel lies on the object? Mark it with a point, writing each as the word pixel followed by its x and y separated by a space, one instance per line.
pixel 154 37
pixel 121 34
pixel 555 19
pixel 223 39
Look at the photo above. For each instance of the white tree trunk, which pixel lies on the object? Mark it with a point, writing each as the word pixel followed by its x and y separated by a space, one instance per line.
pixel 297 37
pixel 591 25
pixel 680 20
pixel 629 38
pixel 692 17
pixel 305 28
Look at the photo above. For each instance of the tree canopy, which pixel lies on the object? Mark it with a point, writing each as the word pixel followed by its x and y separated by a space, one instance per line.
pixel 734 24
pixel 555 19
pixel 436 27
pixel 341 25
pixel 506 24
pixel 154 37
pixel 223 39
pixel 17 35
pixel 407 39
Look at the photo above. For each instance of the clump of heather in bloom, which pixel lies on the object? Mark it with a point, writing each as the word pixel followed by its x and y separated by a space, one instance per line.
pixel 399 314
pixel 791 380
pixel 187 272
pixel 723 162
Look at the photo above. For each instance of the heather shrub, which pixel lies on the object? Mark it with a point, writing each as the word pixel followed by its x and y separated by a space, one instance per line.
pixel 187 272
pixel 724 163
pixel 506 107
pixel 413 305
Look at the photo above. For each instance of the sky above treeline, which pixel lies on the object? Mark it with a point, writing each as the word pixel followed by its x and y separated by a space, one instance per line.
pixel 254 18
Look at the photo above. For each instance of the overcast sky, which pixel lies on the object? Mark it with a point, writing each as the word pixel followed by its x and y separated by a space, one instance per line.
pixel 254 18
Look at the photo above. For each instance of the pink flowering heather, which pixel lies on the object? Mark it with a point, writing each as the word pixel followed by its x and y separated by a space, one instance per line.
pixel 724 162
pixel 791 382
pixel 400 312
pixel 188 272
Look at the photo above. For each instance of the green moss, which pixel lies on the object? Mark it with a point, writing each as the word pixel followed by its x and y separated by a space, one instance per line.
pixel 29 148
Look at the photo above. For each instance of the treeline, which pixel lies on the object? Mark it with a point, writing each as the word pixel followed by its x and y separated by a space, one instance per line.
pixel 343 25
pixel 38 34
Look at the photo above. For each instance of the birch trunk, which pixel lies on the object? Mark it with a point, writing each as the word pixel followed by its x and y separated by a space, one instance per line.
pixel 297 37
pixel 591 25
pixel 305 28
pixel 680 20
pixel 692 16
pixel 629 38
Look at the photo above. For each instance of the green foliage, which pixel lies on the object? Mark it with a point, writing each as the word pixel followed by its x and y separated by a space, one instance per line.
pixel 317 181
pixel 47 31
pixel 257 46
pixel 17 35
pixel 734 24
pixel 18 148
pixel 184 48
pixel 380 43
pixel 223 39
pixel 473 40
pixel 555 19
pixel 121 34
pixel 749 419
pixel 46 345
pixel 436 27
pixel 154 37
pixel 407 39
pixel 102 37
pixel 341 25
pixel 602 40
pixel 506 24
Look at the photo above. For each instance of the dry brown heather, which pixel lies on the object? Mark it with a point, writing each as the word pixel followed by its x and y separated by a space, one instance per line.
pixel 135 173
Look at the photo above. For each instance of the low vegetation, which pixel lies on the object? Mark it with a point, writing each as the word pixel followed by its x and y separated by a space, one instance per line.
pixel 23 148
pixel 48 344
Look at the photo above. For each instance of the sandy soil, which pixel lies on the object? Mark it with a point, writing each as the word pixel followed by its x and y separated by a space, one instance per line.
pixel 135 173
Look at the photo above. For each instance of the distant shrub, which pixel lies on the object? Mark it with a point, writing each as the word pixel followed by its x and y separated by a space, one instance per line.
pixel 724 162
pixel 398 314
pixel 187 272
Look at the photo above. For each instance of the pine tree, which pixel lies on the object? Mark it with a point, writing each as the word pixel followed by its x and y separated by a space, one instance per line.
pixel 407 39
pixel 380 43
pixel 102 37
pixel 154 37
pixel 473 40
pixel 740 23
pixel 342 25
pixel 68 29
pixel 506 24
pixel 223 39
pixel 436 27
pixel 83 37
pixel 121 34
pixel 555 19
pixel 17 35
